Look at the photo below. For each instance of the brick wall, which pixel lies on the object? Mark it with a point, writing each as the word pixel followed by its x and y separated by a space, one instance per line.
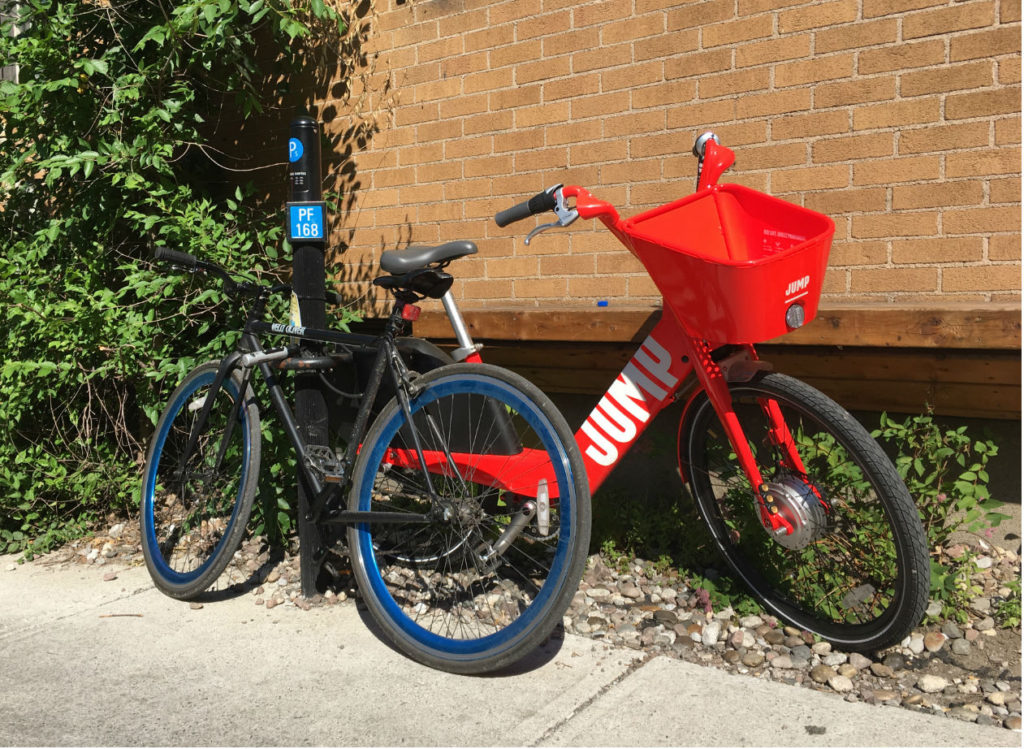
pixel 899 118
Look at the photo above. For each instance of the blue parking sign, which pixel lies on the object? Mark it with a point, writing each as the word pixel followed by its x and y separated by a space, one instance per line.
pixel 306 222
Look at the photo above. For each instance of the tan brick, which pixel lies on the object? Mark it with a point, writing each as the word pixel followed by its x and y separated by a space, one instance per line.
pixel 543 70
pixel 581 85
pixel 519 140
pixel 634 123
pixel 666 45
pixel 837 281
pixel 1009 71
pixel 753 7
pixel 1008 130
pixel 810 178
pixel 864 280
pixel 835 202
pixel 1004 247
pixel 574 132
pixel 412 155
pixel 897 113
pixel 846 93
pixel 982 278
pixel 770 156
pixel 734 32
pixel 937 195
pixel 513 10
pixel 847 254
pixel 702 113
pixel 603 105
pixel 944 138
pixel 460 106
pixel 487 123
pixel 810 124
pixel 773 50
pixel 856 35
pixel 567 265
pixel 463 22
pixel 889 225
pixel 983 103
pixel 412 34
pixel 698 63
pixel 466 188
pixel 487 289
pixel 464 64
pixel 632 76
pixel 776 102
pixel 546 159
pixel 1009 11
pixel 488 80
pixel 607 12
pixel 393 177
pixel 814 71
pixel 597 59
pixel 541 288
pixel 873 8
pixel 488 166
pixel 432 51
pixel 1004 191
pixel 984 44
pixel 853 147
pixel 511 98
pixel 701 14
pixel 818 15
pixel 937 250
pixel 902 56
pixel 960 17
pixel 906 169
pixel 734 82
pixel 981 220
pixel 444 89
pixel 660 144
pixel 513 267
pixel 598 153
pixel 638 27
pixel 951 78
pixel 542 25
pixel 664 93
pixel 604 287
pixel 567 42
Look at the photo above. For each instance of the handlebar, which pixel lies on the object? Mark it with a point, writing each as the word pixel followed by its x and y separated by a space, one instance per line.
pixel 539 203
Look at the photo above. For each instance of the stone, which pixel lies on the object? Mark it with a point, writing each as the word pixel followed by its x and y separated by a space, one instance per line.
pixel 629 590
pixel 742 638
pixel 709 636
pixel 821 648
pixel 774 636
pixel 983 563
pixel 933 641
pixel 934 608
pixel 834 659
pixel 961 647
pixel 1012 722
pixel 753 658
pixel 822 673
pixel 783 661
pixel 751 622
pixel 916 645
pixel 930 683
pixel 858 661
pixel 847 670
pixel 987 623
pixel 840 683
pixel 996 698
pixel 983 605
pixel 881 670
pixel 950 630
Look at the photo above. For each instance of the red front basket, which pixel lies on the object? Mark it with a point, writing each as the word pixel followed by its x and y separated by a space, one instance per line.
pixel 731 261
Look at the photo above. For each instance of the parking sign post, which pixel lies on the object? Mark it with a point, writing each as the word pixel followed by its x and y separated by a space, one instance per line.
pixel 306 223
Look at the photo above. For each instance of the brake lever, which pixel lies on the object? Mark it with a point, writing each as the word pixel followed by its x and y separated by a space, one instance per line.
pixel 566 216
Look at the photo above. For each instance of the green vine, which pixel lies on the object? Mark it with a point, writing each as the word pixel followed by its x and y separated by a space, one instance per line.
pixel 112 141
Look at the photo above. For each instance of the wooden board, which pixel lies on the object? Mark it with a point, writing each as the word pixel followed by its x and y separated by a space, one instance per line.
pixel 958 327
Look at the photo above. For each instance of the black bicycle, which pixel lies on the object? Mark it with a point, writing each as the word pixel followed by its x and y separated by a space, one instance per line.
pixel 465 500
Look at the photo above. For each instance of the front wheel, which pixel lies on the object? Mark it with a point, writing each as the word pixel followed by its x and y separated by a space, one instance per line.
pixel 196 501
pixel 854 569
pixel 499 520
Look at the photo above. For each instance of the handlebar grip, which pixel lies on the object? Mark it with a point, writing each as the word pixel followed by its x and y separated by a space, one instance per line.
pixel 539 203
pixel 173 256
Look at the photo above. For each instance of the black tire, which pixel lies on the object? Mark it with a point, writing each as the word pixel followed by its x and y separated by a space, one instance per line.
pixel 857 572
pixel 438 591
pixel 193 520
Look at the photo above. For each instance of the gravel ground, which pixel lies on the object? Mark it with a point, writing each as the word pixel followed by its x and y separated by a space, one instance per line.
pixel 964 670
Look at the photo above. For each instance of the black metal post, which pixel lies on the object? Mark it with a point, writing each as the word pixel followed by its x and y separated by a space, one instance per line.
pixel 308 284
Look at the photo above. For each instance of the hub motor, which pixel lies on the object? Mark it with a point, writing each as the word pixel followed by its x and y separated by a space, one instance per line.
pixel 799 504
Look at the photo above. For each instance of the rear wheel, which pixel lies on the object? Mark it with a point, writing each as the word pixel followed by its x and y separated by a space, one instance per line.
pixel 499 526
pixel 855 568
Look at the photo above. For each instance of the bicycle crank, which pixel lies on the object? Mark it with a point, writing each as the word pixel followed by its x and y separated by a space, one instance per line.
pixel 798 503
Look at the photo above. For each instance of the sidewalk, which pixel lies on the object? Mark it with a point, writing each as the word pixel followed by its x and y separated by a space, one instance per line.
pixel 92 662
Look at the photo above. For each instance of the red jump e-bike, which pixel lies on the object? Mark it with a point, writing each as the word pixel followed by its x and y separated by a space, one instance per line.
pixel 802 502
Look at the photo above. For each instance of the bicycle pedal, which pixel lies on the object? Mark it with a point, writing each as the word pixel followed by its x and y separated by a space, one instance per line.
pixel 324 461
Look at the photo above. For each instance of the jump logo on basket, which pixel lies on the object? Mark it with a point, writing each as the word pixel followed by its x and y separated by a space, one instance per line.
pixel 798 287
pixel 614 421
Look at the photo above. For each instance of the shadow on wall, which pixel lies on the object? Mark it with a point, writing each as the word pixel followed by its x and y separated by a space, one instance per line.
pixel 338 83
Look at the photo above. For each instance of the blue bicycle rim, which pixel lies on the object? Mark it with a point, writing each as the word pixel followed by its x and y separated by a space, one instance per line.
pixel 469 649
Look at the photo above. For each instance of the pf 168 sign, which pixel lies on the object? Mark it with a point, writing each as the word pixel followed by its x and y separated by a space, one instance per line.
pixel 306 222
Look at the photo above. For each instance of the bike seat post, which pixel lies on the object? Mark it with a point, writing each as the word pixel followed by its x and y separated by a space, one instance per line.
pixel 466 346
